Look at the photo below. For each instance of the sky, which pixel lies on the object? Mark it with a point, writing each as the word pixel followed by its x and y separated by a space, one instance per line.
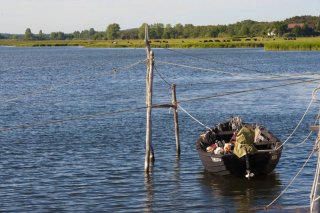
pixel 71 15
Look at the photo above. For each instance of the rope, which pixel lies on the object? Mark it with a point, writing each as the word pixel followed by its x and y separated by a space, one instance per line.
pixel 185 111
pixel 292 180
pixel 313 98
pixel 46 89
pixel 316 179
pixel 246 91
pixel 217 62
pixel 283 78
pixel 314 185
pixel 163 79
pixel 310 133
pixel 197 68
pixel 73 118
pixel 299 144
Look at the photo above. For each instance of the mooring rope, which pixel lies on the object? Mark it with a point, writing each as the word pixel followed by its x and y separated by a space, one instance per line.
pixel 247 91
pixel 72 118
pixel 53 87
pixel 199 122
pixel 196 68
pixel 313 98
pixel 315 184
pixel 217 62
pixel 316 178
pixel 309 134
pixel 163 78
pixel 252 79
pixel 292 180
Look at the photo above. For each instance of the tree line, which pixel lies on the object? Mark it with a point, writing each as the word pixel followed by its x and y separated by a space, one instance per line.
pixel 299 26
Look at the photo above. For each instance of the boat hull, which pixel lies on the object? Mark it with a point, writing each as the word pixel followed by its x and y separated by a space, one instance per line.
pixel 261 163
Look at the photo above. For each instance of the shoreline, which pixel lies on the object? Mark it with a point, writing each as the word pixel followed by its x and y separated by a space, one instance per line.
pixel 268 44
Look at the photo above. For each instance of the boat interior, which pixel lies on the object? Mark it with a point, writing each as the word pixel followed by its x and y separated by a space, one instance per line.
pixel 221 139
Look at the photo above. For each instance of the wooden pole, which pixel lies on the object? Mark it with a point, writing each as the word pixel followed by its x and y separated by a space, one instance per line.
pixel 152 158
pixel 175 117
pixel 315 191
pixel 149 83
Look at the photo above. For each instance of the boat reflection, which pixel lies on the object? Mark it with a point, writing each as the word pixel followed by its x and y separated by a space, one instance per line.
pixel 243 194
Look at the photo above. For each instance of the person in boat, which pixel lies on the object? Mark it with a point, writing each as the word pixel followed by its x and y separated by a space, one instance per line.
pixel 245 142
pixel 241 143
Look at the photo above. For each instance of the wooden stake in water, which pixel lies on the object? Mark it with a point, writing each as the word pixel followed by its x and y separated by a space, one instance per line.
pixel 149 84
pixel 175 117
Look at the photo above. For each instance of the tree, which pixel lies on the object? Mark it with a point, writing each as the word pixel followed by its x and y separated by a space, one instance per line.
pixel 113 31
pixel 141 31
pixel 178 28
pixel 188 31
pixel 99 36
pixel 41 36
pixel 57 36
pixel 244 31
pixel 85 34
pixel 318 26
pixel 297 31
pixel 76 34
pixel 281 28
pixel 156 30
pixel 168 32
pixel 28 34
pixel 91 33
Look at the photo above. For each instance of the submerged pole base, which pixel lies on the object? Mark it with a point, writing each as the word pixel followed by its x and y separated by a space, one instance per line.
pixel 249 174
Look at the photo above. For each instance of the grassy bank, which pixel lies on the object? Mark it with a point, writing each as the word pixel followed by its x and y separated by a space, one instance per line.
pixel 307 44
pixel 267 43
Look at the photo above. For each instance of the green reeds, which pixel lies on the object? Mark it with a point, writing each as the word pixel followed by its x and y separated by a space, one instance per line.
pixel 298 46
pixel 268 44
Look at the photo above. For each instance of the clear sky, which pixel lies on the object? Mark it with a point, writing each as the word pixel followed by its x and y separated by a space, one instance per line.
pixel 71 15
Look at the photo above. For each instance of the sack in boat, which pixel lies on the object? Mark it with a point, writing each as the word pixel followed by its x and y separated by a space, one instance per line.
pixel 211 148
pixel 218 151
pixel 227 148
pixel 244 143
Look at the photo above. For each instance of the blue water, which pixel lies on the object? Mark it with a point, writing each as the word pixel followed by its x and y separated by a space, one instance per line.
pixel 89 164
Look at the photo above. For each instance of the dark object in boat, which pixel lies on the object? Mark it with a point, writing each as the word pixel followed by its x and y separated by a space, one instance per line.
pixel 213 148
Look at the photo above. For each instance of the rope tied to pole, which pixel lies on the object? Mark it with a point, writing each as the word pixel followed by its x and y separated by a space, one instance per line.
pixel 196 120
pixel 313 98
pixel 292 180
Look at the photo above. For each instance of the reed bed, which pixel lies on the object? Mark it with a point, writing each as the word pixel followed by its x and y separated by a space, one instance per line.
pixel 272 44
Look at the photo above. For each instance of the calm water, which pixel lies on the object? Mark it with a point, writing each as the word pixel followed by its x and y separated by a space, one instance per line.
pixel 96 164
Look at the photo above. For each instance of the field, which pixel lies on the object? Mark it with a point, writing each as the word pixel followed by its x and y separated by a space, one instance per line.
pixel 266 43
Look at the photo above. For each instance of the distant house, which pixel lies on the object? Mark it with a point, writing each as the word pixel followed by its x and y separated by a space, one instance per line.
pixel 271 32
pixel 300 25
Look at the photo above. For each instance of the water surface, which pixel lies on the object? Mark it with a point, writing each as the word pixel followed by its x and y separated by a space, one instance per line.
pixel 97 164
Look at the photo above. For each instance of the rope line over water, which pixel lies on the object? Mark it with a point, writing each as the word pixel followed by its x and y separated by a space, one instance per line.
pixel 196 120
pixel 127 110
pixel 248 90
pixel 197 68
pixel 308 136
pixel 254 79
pixel 162 77
pixel 72 118
pixel 292 180
pixel 215 61
pixel 314 187
pixel 313 98
pixel 66 83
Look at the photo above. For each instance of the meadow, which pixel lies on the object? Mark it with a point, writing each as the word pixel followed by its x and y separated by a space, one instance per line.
pixel 273 44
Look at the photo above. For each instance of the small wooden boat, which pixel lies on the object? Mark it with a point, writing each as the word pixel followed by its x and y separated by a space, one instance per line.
pixel 239 149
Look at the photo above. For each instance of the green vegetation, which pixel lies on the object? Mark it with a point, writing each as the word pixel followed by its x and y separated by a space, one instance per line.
pixel 297 33
pixel 312 43
pixel 113 31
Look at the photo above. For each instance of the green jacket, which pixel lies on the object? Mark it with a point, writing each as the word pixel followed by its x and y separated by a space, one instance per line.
pixel 244 144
